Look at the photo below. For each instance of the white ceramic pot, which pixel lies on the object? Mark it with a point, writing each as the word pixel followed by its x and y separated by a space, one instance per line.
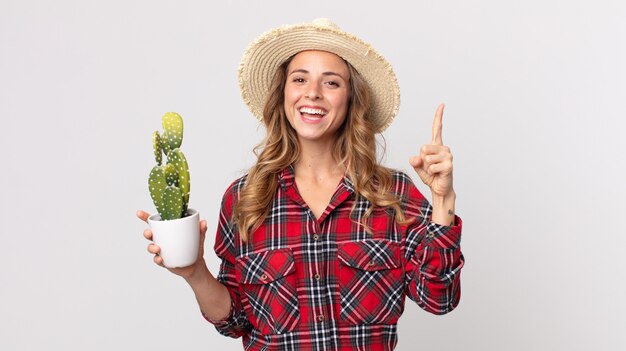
pixel 179 239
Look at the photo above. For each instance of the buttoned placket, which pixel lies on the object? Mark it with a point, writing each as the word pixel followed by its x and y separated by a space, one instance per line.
pixel 318 263
pixel 314 257
pixel 317 258
pixel 320 257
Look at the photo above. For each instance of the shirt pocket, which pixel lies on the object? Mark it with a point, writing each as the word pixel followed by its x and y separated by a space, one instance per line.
pixel 371 282
pixel 268 282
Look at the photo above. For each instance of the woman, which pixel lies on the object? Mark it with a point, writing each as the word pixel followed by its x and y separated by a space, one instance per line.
pixel 319 243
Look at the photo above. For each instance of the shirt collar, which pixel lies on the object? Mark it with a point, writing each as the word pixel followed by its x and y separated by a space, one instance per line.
pixel 287 177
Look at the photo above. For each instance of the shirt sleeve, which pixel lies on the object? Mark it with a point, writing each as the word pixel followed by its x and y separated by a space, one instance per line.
pixel 236 324
pixel 433 257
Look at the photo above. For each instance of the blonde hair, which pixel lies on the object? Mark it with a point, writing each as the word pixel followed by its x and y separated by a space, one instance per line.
pixel 354 148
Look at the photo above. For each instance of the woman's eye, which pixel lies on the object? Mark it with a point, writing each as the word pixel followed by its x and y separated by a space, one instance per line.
pixel 298 80
pixel 333 83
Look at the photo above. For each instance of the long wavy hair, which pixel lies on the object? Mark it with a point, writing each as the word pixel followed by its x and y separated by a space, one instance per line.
pixel 354 147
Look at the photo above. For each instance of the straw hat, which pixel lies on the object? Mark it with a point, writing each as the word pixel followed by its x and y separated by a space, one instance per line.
pixel 271 49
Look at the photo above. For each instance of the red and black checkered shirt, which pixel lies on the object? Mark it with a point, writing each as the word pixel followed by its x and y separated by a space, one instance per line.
pixel 303 283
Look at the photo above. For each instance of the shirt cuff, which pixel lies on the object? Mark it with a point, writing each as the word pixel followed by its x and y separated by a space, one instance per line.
pixel 444 236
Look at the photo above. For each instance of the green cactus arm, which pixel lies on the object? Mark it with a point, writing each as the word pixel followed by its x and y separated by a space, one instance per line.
pixel 173 126
pixel 171 174
pixel 177 158
pixel 165 146
pixel 156 143
pixel 173 202
pixel 157 184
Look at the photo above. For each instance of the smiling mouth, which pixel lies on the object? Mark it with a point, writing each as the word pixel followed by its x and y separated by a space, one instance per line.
pixel 313 114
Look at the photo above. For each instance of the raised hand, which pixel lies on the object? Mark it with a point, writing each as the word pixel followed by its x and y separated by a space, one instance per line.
pixel 434 163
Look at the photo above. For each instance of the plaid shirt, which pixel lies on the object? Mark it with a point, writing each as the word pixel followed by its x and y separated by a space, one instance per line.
pixel 303 283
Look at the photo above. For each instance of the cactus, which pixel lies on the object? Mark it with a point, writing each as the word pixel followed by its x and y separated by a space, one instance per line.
pixel 169 184
pixel 156 141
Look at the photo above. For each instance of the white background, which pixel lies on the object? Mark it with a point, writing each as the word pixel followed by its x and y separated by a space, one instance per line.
pixel 535 94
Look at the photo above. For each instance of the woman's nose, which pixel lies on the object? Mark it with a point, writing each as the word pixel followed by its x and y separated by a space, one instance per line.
pixel 313 92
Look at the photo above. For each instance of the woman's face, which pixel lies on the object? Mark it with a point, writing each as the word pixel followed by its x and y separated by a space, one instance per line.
pixel 316 94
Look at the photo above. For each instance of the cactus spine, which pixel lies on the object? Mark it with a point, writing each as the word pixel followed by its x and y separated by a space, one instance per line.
pixel 169 184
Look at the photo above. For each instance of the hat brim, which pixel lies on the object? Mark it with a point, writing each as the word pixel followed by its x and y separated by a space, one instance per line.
pixel 271 49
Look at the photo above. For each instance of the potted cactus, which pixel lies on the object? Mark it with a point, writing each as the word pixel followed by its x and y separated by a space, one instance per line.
pixel 176 227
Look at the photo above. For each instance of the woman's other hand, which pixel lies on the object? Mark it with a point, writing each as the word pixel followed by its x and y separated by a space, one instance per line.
pixel 198 267
pixel 434 167
pixel 434 163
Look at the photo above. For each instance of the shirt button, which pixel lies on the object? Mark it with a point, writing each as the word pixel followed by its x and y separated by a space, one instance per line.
pixel 430 235
pixel 320 318
pixel 372 263
pixel 317 277
pixel 316 237
pixel 264 277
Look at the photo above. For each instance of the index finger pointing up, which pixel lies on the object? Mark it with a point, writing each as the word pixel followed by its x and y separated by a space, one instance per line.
pixel 437 125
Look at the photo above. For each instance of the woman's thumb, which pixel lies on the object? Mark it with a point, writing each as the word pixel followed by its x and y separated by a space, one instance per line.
pixel 416 161
pixel 417 164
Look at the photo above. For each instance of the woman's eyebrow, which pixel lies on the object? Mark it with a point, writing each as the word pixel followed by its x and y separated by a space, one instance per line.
pixel 329 73
pixel 299 70
pixel 333 74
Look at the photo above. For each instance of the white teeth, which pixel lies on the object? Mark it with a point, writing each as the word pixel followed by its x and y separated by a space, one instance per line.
pixel 312 111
